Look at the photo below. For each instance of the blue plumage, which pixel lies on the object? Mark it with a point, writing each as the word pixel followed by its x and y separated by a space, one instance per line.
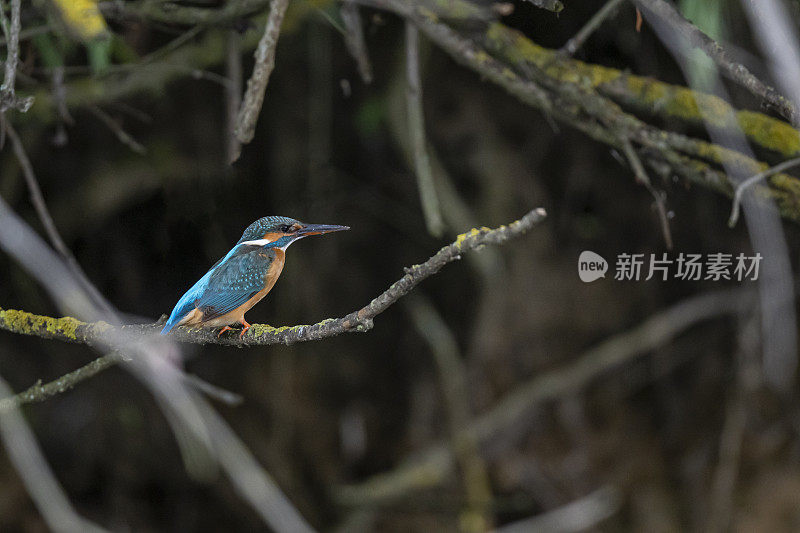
pixel 240 279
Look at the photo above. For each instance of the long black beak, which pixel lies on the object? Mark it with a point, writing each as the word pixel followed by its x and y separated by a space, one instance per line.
pixel 319 229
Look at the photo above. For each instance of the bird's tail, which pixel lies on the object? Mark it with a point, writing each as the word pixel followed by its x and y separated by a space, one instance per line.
pixel 180 311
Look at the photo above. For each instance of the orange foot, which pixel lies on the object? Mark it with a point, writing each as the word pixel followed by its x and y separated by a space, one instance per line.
pixel 245 328
pixel 242 321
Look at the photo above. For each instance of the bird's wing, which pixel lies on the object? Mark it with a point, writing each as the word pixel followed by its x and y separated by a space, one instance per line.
pixel 228 284
pixel 234 281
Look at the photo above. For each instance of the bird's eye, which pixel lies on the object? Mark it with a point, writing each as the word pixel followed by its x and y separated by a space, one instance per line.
pixel 285 228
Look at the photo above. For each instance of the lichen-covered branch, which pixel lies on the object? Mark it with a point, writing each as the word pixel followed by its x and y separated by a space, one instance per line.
pixel 666 12
pixel 576 93
pixel 99 333
pixel 39 392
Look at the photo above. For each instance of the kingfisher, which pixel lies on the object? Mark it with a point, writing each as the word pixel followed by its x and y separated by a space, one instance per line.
pixel 244 276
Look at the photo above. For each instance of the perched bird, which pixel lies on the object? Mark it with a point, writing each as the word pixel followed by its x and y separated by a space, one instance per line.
pixel 244 276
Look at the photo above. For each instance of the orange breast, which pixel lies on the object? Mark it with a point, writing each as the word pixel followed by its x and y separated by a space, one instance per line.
pixel 272 276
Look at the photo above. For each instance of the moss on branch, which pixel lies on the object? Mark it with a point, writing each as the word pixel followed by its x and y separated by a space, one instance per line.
pixel 643 93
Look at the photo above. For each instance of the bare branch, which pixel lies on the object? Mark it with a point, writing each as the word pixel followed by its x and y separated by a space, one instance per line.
pixel 122 136
pixel 607 11
pixel 416 128
pixel 354 39
pixel 658 196
pixel 8 97
pixel 257 84
pixel 213 391
pixel 233 93
pixel 749 182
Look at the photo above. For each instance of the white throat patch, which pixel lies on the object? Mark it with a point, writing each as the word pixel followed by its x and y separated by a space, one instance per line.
pixel 264 242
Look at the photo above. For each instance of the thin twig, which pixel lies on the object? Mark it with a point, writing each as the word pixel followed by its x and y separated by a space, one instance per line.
pixel 233 93
pixel 122 136
pixel 213 391
pixel 354 39
pixel 416 129
pixel 131 111
pixel 607 11
pixel 749 182
pixel 171 46
pixel 658 196
pixel 736 71
pixel 39 392
pixel 8 97
pixel 257 84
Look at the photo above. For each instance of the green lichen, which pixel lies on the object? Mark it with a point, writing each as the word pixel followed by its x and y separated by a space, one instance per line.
pixel 259 330
pixel 30 324
pixel 770 133
pixel 645 93
pixel 474 232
